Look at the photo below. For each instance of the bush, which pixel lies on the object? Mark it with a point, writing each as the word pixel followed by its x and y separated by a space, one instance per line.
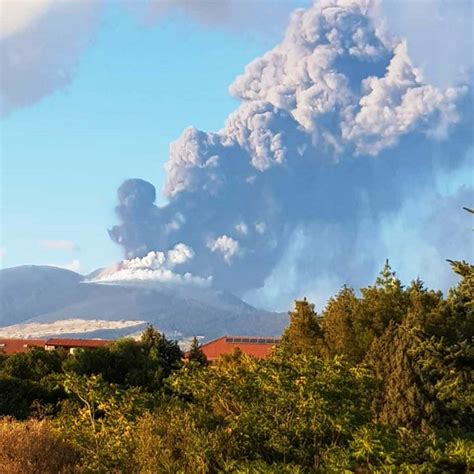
pixel 20 398
pixel 285 410
pixel 176 439
pixel 32 447
pixel 34 364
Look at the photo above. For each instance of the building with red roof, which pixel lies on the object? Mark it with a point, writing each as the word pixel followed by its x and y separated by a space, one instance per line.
pixel 12 346
pixel 73 344
pixel 256 346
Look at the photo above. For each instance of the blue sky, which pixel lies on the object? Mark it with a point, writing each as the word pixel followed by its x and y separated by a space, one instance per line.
pixel 136 88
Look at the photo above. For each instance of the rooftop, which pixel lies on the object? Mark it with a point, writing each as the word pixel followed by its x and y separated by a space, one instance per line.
pixel 256 346
pixel 58 342
pixel 11 346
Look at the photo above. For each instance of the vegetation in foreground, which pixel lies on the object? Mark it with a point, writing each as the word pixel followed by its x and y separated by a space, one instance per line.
pixel 378 382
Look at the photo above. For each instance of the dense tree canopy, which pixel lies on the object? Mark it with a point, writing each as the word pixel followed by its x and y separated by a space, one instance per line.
pixel 144 363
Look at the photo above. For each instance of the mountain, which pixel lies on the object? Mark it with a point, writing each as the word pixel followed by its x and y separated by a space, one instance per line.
pixel 28 291
pixel 35 297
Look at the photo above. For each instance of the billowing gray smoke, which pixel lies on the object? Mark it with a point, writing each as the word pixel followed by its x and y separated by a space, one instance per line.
pixel 337 133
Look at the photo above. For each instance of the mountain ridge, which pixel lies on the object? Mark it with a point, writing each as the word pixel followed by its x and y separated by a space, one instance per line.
pixel 41 294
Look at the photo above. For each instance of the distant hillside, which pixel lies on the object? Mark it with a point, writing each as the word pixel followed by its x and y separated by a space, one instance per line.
pixel 28 291
pixel 38 294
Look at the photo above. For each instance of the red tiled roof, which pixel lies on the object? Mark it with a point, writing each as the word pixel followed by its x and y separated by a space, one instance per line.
pixel 11 346
pixel 72 343
pixel 257 346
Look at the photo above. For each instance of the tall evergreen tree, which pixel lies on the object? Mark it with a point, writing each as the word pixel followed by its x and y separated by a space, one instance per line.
pixel 381 304
pixel 196 354
pixel 161 351
pixel 425 364
pixel 461 302
pixel 303 334
pixel 449 368
pixel 338 325
pixel 402 399
pixel 461 298
pixel 150 337
pixel 426 309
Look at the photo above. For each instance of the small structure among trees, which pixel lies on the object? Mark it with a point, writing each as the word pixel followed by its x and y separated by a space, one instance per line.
pixel 255 346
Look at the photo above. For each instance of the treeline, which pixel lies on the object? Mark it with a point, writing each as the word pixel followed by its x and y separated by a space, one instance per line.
pixel 380 381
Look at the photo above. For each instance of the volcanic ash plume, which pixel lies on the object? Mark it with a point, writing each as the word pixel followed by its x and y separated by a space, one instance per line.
pixel 155 267
pixel 335 132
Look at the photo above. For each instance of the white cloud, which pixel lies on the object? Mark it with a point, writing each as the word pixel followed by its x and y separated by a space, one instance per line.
pixel 16 16
pixel 226 246
pixel 157 267
pixel 41 45
pixel 261 129
pixel 440 42
pixel 306 94
pixel 151 261
pixel 260 227
pixel 41 41
pixel 179 254
pixel 302 76
pixel 3 251
pixel 176 223
pixel 34 63
pixel 66 245
pixel 258 17
pixel 242 228
pixel 397 103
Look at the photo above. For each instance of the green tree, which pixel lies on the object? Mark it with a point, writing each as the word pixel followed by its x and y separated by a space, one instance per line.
pixel 427 309
pixel 303 334
pixel 27 383
pixel 425 374
pixel 21 398
pixel 99 421
pixel 403 399
pixel 124 362
pixel 288 409
pixel 150 337
pixel 34 364
pixel 196 354
pixel 381 304
pixel 338 325
pixel 131 363
pixel 165 355
pixel 178 438
pixel 448 368
pixel 461 302
pixel 461 299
